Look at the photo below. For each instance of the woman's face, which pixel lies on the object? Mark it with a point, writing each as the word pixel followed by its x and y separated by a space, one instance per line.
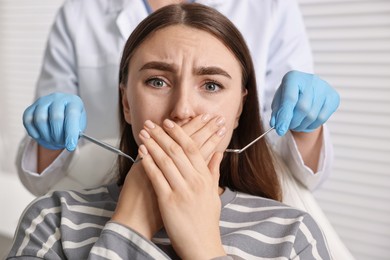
pixel 180 72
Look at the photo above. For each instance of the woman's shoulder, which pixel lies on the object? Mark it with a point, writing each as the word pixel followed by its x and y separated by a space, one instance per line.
pixel 272 228
pixel 56 206
pixel 241 199
pixel 65 213
pixel 60 200
pixel 251 208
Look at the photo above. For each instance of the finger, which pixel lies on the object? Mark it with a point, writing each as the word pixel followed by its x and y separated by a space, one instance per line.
pixel 275 107
pixel 28 122
pixel 201 136
pixel 156 177
pixel 209 147
pixel 214 166
pixel 304 107
pixel 167 162
pixel 331 104
pixel 311 117
pixel 179 148
pixel 56 115
pixel 73 117
pixel 187 145
pixel 323 116
pixel 289 95
pixel 196 123
pixel 41 121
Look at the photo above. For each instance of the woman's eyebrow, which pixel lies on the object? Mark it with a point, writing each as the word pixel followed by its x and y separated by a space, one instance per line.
pixel 158 65
pixel 212 70
pixel 163 66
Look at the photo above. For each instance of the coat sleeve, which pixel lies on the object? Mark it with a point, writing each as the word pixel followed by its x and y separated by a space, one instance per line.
pixel 287 149
pixel 290 50
pixel 26 162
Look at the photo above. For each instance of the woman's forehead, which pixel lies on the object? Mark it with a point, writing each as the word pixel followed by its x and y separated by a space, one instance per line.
pixel 181 33
pixel 177 42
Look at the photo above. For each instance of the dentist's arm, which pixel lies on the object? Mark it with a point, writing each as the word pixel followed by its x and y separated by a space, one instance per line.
pixel 54 122
pixel 302 104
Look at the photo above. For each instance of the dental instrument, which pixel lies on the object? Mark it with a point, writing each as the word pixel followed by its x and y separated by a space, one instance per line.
pixel 248 145
pixel 119 152
pixel 108 147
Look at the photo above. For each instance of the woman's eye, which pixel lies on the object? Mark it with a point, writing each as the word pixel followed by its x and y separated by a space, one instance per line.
pixel 212 86
pixel 156 83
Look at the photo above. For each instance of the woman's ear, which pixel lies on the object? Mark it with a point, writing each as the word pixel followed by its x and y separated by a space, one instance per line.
pixel 125 104
pixel 243 99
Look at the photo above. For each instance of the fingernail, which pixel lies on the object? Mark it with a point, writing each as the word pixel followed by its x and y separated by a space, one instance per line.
pixel 221 132
pixel 168 123
pixel 149 124
pixel 282 130
pixel 142 150
pixel 272 122
pixel 144 133
pixel 205 117
pixel 220 121
pixel 70 145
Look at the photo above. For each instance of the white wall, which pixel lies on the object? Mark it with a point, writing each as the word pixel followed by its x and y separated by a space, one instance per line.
pixel 351 44
pixel 24 25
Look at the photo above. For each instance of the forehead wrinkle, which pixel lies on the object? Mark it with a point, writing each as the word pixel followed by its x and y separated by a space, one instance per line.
pixel 177 60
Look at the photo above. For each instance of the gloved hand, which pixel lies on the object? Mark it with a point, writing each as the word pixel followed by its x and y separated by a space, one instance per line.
pixel 302 103
pixel 56 120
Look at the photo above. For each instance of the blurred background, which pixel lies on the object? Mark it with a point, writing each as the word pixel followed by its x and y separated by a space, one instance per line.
pixel 351 46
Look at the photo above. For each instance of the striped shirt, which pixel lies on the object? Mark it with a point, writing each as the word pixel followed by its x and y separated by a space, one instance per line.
pixel 76 225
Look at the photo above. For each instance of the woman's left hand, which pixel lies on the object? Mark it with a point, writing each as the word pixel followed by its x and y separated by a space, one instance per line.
pixel 186 188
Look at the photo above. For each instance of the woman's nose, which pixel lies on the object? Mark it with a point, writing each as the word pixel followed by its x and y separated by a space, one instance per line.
pixel 183 108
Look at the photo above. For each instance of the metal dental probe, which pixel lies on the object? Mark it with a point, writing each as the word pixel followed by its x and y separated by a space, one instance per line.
pixel 248 145
pixel 108 147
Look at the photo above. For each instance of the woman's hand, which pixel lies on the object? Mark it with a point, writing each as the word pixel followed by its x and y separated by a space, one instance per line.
pixel 186 187
pixel 206 132
pixel 137 205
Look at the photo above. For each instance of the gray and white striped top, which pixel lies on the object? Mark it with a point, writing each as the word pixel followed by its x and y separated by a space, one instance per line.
pixel 76 225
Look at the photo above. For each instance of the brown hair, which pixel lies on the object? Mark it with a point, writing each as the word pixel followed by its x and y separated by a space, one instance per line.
pixel 251 172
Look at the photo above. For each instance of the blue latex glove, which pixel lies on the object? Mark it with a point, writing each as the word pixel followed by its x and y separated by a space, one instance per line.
pixel 302 103
pixel 56 120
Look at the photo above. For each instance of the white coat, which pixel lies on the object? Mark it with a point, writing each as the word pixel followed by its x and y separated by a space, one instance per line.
pixel 83 54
